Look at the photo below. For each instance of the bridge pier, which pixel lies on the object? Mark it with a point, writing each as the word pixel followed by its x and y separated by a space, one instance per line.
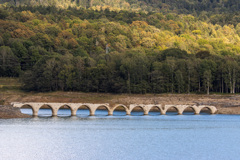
pixel 110 113
pixel 146 112
pixel 180 110
pixel 35 113
pixel 73 112
pixel 197 111
pixel 92 113
pixel 54 112
pixel 163 112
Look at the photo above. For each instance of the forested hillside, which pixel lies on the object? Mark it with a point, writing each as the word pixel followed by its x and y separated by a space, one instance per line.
pixel 119 51
pixel 177 6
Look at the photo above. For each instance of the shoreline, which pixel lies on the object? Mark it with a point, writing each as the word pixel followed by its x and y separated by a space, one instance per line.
pixel 9 112
pixel 225 104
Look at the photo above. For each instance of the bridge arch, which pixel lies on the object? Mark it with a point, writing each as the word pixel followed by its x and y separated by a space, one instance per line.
pixel 85 106
pixel 208 108
pixel 104 106
pixel 54 112
pixel 119 106
pixel 64 106
pixel 171 107
pixel 155 106
pixel 137 106
pixel 190 107
pixel 30 107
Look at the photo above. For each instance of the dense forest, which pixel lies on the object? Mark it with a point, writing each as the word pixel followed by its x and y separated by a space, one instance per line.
pixel 121 51
pixel 177 6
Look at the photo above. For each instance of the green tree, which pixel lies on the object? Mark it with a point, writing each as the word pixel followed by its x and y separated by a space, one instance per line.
pixel 231 73
pixel 1 41
pixel 9 65
pixel 207 75
pixel 171 64
pixel 3 14
pixel 179 80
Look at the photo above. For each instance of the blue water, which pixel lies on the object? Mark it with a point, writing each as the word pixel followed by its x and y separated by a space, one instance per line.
pixel 100 137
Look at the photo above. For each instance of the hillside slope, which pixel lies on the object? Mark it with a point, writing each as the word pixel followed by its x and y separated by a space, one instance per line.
pixel 118 51
pixel 179 6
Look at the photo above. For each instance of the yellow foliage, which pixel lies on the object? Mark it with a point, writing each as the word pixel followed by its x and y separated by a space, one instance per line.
pixel 72 43
pixel 197 32
pixel 148 42
pixel 141 24
pixel 20 33
pixel 161 48
pixel 66 34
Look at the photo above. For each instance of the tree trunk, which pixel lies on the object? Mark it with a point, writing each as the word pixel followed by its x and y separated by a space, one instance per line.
pixel 226 88
pixel 199 86
pixel 208 87
pixel 90 2
pixel 222 86
pixel 189 80
pixel 129 82
pixel 172 82
pixel 230 81
pixel 234 81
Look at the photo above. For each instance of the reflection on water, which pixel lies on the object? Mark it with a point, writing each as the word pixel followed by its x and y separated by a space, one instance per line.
pixel 85 113
pixel 120 137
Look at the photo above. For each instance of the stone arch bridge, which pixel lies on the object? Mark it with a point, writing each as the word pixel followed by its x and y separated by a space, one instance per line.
pixel 93 107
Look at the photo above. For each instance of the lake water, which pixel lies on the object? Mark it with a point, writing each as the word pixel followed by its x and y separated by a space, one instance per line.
pixel 100 137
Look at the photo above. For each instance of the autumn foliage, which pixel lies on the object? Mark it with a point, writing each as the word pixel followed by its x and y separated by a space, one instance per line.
pixel 118 51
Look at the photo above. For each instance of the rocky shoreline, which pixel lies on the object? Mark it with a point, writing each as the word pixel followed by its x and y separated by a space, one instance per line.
pixel 7 112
